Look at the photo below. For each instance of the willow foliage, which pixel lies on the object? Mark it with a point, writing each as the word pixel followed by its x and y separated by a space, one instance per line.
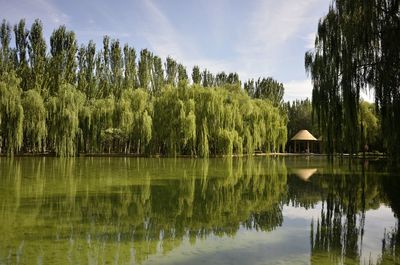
pixel 11 113
pixel 79 100
pixel 63 113
pixel 216 122
pixel 35 128
pixel 356 49
pixel 135 122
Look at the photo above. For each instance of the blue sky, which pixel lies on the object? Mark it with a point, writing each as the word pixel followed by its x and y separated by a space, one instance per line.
pixel 254 38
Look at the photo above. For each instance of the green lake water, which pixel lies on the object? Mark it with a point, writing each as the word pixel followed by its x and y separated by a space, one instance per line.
pixel 262 210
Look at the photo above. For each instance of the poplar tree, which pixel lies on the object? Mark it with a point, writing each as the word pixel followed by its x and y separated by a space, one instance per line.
pixel 21 46
pixel 171 71
pixel 182 74
pixel 145 69
pixel 103 74
pixel 130 80
pixel 63 49
pixel 196 75
pixel 5 55
pixel 37 58
pixel 157 75
pixel 116 63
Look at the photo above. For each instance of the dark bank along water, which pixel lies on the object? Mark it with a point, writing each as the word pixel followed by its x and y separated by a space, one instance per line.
pixel 184 211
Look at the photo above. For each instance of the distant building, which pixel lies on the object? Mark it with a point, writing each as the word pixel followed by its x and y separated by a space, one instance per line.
pixel 304 142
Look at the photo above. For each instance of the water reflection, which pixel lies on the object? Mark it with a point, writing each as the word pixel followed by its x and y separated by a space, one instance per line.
pixel 126 210
pixel 304 173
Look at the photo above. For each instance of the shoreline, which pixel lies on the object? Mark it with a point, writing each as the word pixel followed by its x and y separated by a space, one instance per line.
pixel 355 156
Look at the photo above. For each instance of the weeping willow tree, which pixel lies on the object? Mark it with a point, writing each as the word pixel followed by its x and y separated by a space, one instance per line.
pixel 135 119
pixel 216 121
pixel 102 124
pixel 63 111
pixel 174 124
pixel 356 49
pixel 11 113
pixel 35 130
pixel 76 99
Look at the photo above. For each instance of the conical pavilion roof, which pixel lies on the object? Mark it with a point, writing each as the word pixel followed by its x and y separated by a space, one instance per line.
pixel 303 135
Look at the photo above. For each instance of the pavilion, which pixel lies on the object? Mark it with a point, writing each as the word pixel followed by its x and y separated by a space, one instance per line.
pixel 304 142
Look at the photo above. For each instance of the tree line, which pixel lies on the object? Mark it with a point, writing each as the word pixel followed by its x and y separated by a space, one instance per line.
pixel 68 99
pixel 357 49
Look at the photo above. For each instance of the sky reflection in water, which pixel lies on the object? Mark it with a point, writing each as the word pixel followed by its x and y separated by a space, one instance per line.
pixel 182 211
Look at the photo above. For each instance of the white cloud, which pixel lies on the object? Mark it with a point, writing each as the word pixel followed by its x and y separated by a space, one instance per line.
pixel 273 25
pixel 298 89
pixel 165 41
pixel 100 33
pixel 45 10
pixel 161 34
pixel 302 89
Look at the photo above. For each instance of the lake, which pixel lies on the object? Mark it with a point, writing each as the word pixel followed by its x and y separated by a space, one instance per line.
pixel 261 210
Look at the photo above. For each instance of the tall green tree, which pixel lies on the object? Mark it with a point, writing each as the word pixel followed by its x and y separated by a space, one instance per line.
pixel 145 69
pixel 5 39
pixel 182 74
pixel 63 49
pixel 208 79
pixel 103 72
pixel 370 127
pixel 157 75
pixel 35 127
pixel 82 100
pixel 268 88
pixel 233 78
pixel 356 49
pixel 249 87
pixel 136 121
pixel 11 113
pixel 37 58
pixel 63 119
pixel 21 46
pixel 196 75
pixel 81 56
pixel 86 74
pixel 116 62
pixel 300 117
pixel 171 71
pixel 130 76
pixel 221 79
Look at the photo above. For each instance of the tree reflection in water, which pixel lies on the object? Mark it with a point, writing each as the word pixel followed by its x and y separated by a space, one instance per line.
pixel 124 210
pixel 101 209
pixel 346 194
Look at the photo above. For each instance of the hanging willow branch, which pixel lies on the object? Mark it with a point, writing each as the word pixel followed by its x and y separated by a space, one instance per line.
pixel 356 48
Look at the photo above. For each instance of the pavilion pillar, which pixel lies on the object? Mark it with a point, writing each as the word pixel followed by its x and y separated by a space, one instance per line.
pixel 308 146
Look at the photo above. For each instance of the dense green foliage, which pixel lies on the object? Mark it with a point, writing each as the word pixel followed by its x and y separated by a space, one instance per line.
pixel 357 48
pixel 265 88
pixel 76 99
pixel 300 117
